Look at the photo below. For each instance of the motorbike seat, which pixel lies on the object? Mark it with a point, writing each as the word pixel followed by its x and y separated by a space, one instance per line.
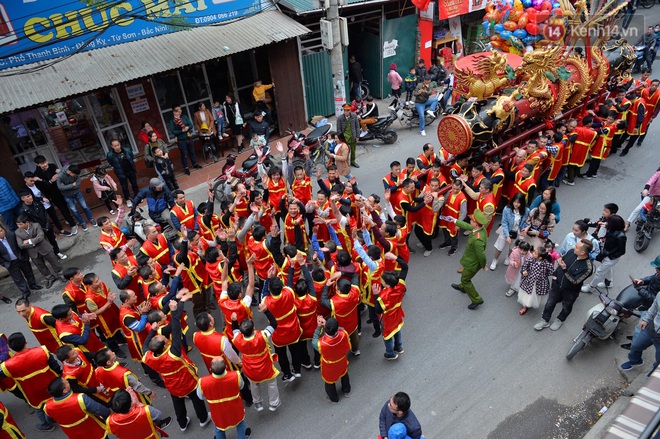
pixel 250 162
pixel 381 121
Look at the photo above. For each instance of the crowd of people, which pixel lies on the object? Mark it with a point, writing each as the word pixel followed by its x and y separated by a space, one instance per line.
pixel 310 263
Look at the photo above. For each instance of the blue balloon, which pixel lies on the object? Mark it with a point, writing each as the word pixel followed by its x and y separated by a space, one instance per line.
pixel 505 34
pixel 527 3
pixel 520 33
pixel 499 27
pixel 556 6
pixel 486 26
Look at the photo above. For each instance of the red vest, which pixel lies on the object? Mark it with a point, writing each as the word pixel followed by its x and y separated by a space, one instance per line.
pixel 114 240
pixel 122 272
pixel 651 105
pixel 638 103
pixel 84 374
pixel 206 232
pixel 9 429
pixel 283 308
pixel 136 424
pixel 390 300
pixel 333 350
pixel 115 378
pixel 302 189
pixel 452 208
pixel 179 373
pixel 373 278
pixel 556 161
pixel 195 277
pixel 290 230
pixel 521 186
pixel 185 214
pixel 602 147
pixel 222 392
pixel 72 416
pixel 135 340
pixel 32 374
pixel 263 257
pixel 159 252
pixel 306 309
pixel 426 217
pixel 76 294
pixel 46 335
pixel 108 320
pixel 257 357
pixel 426 161
pixel 75 326
pixel 390 181
pixel 228 306
pixel 211 344
pixel 582 145
pixel 344 308
pixel 497 186
pixel 275 192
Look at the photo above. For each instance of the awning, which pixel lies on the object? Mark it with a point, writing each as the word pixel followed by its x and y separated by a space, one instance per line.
pixel 94 69
pixel 302 7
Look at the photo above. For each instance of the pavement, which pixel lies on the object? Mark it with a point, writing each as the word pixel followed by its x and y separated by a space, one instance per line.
pixel 470 374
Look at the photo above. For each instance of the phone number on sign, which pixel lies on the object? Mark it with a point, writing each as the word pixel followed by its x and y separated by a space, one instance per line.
pixel 216 17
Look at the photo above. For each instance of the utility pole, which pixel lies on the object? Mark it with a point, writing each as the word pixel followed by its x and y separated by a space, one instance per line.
pixel 336 57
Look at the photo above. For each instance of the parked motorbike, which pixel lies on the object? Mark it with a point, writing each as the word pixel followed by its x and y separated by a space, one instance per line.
pixel 640 58
pixel 647 223
pixel 364 89
pixel 407 113
pixel 381 129
pixel 248 169
pixel 314 141
pixel 136 223
pixel 604 318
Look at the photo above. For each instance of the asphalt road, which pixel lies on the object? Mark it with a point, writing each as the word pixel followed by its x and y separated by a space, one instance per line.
pixel 470 374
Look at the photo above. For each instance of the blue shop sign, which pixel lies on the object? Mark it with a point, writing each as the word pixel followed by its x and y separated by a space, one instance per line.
pixel 39 30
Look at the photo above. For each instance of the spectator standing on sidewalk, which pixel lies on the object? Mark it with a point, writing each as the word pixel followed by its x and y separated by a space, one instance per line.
pixel 123 162
pixel 36 212
pixel 31 238
pixel 46 175
pixel 68 182
pixel 182 128
pixel 10 204
pixel 397 411
pixel 349 125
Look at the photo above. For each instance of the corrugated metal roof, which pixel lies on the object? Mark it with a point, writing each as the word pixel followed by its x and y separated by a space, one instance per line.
pixel 301 7
pixel 94 69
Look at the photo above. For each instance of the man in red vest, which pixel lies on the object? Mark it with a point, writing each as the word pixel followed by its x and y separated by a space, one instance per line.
pixel 32 369
pixel 78 415
pixel 114 376
pixel 172 363
pixel 124 270
pixel 78 370
pixel 183 213
pixel 427 217
pixel 9 426
pixel 112 237
pixel 129 421
pixel 333 347
pixel 100 301
pixel 635 121
pixel 75 329
pixel 651 96
pixel 389 299
pixel 75 290
pixel 344 306
pixel 194 276
pixel 157 247
pixel 426 158
pixel 222 391
pixel 41 323
pixel 455 207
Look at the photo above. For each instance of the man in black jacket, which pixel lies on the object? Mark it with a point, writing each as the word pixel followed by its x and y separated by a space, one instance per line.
pixel 36 212
pixel 572 270
pixel 355 76
pixel 122 161
pixel 17 263
pixel 45 176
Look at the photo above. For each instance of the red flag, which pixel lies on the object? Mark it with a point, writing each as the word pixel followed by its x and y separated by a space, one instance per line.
pixel 422 5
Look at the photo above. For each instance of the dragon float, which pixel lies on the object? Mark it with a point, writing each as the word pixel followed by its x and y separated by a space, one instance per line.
pixel 500 93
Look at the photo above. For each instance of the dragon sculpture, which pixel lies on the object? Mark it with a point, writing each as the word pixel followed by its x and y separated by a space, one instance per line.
pixel 489 75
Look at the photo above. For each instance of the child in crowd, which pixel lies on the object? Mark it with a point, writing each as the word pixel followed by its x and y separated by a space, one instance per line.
pixel 165 169
pixel 534 280
pixel 219 116
pixel 257 142
pixel 410 84
pixel 105 188
pixel 550 247
pixel 516 259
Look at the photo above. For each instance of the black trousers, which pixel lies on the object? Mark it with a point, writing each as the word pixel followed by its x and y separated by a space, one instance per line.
pixel 181 412
pixel 123 181
pixel 22 275
pixel 153 375
pixel 331 389
pixel 631 142
pixel 246 393
pixel 567 299
pixel 283 359
pixel 452 240
pixel 50 235
pixel 59 202
pixel 594 165
pixel 426 240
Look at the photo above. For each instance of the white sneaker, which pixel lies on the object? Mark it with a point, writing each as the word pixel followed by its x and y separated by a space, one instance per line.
pixel 112 211
pixel 272 408
pixel 556 325
pixel 205 423
pixel 225 135
pixel 430 113
pixel 129 203
pixel 586 288
pixel 62 256
pixel 363 133
pixel 510 293
pixel 391 108
pixel 427 253
pixel 74 230
pixel 601 285
pixel 506 261
pixel 187 424
pixel 423 133
pixel 419 245
pixel 493 265
pixel 541 324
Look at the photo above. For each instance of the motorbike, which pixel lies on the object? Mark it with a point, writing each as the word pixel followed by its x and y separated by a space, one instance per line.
pixel 364 89
pixel 136 223
pixel 407 113
pixel 381 129
pixel 604 318
pixel 314 141
pixel 249 169
pixel 647 223
pixel 640 58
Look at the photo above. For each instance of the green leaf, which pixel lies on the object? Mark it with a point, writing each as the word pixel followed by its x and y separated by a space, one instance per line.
pixel 510 73
pixel 550 76
pixel 563 73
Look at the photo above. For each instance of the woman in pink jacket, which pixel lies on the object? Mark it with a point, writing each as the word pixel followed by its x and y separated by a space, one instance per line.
pixel 395 79
pixel 105 188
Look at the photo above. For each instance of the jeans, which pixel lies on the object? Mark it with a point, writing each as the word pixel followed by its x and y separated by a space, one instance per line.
pixel 356 90
pixel 240 431
pixel 421 108
pixel 71 202
pixel 392 343
pixel 44 420
pixel 186 149
pixel 641 341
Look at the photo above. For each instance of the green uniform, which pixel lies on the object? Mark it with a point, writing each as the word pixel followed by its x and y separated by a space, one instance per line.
pixel 473 260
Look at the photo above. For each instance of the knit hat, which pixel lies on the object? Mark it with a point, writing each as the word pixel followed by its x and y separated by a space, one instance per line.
pixel 392 66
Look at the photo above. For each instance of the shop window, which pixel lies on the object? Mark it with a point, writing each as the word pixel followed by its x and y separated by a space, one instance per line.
pixel 105 108
pixel 219 79
pixel 168 90
pixel 25 134
pixel 194 83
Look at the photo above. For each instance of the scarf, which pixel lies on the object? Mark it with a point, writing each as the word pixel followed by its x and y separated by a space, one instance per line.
pixel 179 121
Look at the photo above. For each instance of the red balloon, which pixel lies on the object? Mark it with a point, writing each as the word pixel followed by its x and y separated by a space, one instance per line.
pixel 557 12
pixel 543 15
pixel 546 5
pixel 531 15
pixel 533 28
pixel 510 25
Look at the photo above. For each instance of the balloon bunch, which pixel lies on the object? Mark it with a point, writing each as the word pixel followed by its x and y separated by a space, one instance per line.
pixel 517 26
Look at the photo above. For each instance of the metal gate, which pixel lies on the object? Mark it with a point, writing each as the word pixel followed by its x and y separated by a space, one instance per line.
pixel 318 84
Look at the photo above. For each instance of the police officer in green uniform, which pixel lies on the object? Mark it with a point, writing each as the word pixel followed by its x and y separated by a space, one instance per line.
pixel 474 258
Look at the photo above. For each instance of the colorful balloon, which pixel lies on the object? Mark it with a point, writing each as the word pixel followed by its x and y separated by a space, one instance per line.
pixel 532 28
pixel 520 33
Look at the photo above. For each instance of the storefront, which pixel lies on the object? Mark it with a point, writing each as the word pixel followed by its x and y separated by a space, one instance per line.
pixel 69 108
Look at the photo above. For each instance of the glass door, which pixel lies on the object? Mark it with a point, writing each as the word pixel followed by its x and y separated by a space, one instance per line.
pixel 27 138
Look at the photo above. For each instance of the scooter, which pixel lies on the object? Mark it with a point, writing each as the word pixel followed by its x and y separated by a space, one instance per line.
pixel 381 129
pixel 604 318
pixel 647 223
pixel 314 141
pixel 640 58
pixel 407 113
pixel 136 224
pixel 249 169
